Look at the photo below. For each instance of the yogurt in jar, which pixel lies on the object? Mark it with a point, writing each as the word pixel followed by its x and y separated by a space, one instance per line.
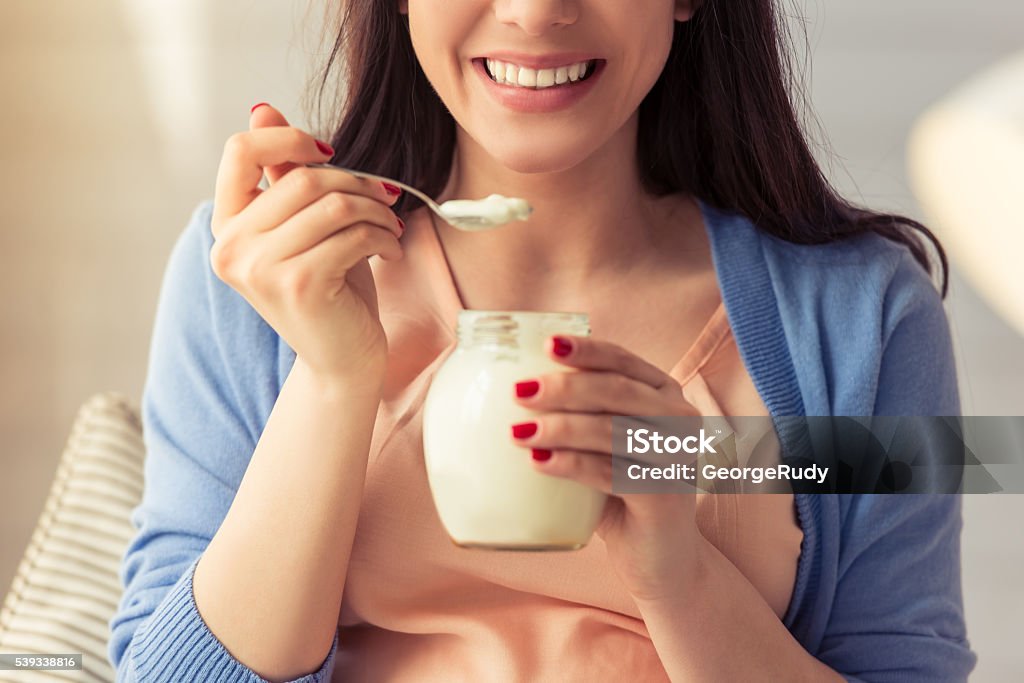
pixel 484 486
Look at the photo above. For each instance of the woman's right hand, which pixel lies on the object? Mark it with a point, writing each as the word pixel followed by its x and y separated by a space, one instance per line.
pixel 298 250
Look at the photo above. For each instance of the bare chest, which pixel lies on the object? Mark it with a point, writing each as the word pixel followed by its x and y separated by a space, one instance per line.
pixel 659 322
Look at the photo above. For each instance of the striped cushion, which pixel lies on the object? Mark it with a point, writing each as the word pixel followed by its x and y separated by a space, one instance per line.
pixel 67 588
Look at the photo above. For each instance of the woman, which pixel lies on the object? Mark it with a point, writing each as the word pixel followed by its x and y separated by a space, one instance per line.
pixel 284 396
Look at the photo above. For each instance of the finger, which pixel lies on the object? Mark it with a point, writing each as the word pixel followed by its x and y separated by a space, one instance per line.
pixel 263 115
pixel 594 354
pixel 591 391
pixel 332 212
pixel 332 258
pixel 302 187
pixel 247 154
pixel 565 430
pixel 587 468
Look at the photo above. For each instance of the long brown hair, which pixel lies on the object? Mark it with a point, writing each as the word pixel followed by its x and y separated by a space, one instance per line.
pixel 720 123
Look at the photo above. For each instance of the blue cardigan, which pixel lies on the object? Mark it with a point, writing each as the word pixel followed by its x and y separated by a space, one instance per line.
pixel 849 328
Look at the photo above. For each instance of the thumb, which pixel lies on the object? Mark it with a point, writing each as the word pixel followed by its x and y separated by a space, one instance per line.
pixel 265 116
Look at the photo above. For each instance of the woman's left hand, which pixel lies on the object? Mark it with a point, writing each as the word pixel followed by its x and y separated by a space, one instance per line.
pixel 652 539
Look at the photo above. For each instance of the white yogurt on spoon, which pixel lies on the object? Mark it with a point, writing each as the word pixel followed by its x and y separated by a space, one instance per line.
pixel 484 214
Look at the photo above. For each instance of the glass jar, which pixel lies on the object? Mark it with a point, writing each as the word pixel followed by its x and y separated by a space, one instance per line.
pixel 485 487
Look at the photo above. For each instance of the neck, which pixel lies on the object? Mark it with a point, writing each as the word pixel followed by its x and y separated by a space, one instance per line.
pixel 594 218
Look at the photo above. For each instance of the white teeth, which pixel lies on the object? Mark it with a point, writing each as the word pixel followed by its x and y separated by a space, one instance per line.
pixel 523 77
pixel 527 77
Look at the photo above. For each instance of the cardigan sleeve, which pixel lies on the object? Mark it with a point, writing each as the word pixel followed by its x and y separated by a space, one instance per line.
pixel 898 613
pixel 206 397
pixel 898 609
pixel 918 373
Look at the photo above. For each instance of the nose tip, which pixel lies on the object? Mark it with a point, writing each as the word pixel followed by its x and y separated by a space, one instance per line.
pixel 535 17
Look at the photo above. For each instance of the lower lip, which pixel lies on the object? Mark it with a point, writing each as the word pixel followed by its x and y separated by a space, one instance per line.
pixel 538 101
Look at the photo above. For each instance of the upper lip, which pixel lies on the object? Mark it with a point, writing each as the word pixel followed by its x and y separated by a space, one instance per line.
pixel 540 61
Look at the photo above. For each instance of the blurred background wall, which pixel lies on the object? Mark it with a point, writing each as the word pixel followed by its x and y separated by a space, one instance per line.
pixel 112 117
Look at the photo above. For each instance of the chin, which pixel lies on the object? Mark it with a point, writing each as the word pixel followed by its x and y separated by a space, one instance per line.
pixel 535 157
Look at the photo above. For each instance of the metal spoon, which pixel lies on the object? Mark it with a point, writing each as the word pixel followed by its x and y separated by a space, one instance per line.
pixel 463 219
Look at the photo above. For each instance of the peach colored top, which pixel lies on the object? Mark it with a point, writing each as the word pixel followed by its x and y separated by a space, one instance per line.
pixel 417 607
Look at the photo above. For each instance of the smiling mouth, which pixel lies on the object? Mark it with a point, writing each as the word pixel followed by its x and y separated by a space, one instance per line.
pixel 515 76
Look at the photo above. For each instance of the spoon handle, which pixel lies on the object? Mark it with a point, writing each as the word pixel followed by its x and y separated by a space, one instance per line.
pixel 370 176
pixel 469 223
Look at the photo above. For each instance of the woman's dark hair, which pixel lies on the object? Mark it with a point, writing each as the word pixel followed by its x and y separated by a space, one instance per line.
pixel 720 123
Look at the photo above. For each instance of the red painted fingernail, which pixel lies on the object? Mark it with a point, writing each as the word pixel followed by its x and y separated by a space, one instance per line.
pixel 561 346
pixel 524 430
pixel 401 224
pixel 527 389
pixel 540 454
pixel 391 189
pixel 258 105
pixel 325 148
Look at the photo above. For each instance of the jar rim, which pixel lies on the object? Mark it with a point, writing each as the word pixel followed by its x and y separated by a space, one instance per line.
pixel 574 316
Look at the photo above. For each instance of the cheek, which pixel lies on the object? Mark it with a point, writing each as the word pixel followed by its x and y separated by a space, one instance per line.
pixel 649 62
pixel 436 35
